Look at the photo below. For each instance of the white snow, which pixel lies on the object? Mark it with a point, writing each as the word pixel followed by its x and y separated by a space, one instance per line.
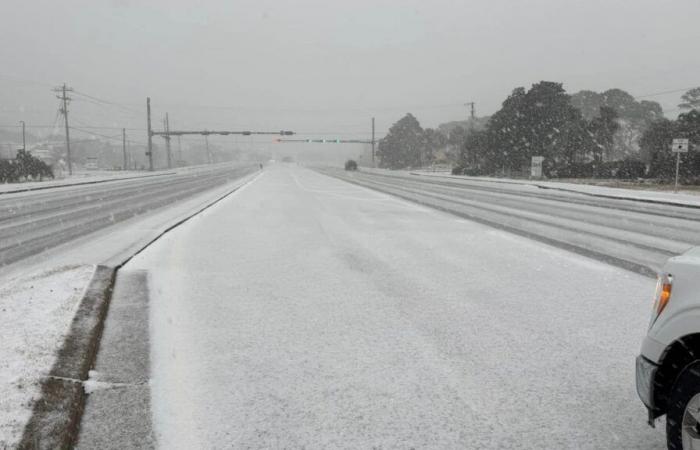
pixel 76 178
pixel 93 383
pixel 92 176
pixel 35 314
pixel 113 245
pixel 306 312
pixel 682 197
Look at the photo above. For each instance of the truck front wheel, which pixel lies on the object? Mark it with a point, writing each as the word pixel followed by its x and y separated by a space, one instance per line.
pixel 683 414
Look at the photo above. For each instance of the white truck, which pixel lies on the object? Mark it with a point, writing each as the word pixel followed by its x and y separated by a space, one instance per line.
pixel 668 368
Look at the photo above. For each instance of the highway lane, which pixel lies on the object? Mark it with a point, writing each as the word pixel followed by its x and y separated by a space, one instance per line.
pixel 634 235
pixel 33 222
pixel 305 312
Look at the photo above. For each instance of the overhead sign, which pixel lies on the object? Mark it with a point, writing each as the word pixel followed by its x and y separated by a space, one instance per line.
pixel 680 145
pixel 536 166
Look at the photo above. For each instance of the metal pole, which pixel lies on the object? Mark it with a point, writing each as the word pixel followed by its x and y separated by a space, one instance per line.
pixel 373 165
pixel 167 141
pixel 150 134
pixel 65 116
pixel 24 141
pixel 206 142
pixel 124 148
pixel 179 150
pixel 678 165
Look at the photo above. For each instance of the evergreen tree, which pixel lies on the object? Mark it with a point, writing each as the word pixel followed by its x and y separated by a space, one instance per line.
pixel 404 145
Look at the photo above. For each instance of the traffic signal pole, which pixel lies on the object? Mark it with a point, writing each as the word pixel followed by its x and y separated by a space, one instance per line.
pixel 167 133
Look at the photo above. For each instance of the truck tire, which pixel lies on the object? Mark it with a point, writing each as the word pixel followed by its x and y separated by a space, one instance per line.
pixel 683 412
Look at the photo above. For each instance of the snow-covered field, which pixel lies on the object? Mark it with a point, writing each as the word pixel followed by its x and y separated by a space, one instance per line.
pixel 307 312
pixel 36 310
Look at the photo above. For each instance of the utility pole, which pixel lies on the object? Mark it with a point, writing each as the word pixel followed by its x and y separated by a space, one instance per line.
pixel 471 115
pixel 179 150
pixel 470 120
pixel 64 110
pixel 373 165
pixel 124 167
pixel 24 137
pixel 150 134
pixel 166 124
pixel 206 143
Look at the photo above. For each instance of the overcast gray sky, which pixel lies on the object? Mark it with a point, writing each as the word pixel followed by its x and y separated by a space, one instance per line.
pixel 328 66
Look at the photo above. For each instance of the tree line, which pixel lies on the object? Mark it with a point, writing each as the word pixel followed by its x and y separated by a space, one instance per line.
pixel 24 167
pixel 587 134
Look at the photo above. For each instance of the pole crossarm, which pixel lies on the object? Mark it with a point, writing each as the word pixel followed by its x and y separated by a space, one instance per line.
pixel 327 141
pixel 221 133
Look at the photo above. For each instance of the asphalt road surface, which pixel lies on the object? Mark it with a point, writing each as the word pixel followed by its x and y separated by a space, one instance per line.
pixel 635 235
pixel 34 222
pixel 306 312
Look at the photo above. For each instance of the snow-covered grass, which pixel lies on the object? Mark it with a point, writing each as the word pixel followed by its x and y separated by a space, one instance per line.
pixel 35 314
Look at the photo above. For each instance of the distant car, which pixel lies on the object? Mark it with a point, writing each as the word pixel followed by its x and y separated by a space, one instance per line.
pixel 668 368
pixel 350 165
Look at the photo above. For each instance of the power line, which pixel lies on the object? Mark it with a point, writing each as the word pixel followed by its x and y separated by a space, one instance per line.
pixel 113 138
pixel 107 102
pixel 653 94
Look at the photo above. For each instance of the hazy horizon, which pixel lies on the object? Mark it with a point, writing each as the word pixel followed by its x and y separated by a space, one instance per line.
pixel 325 68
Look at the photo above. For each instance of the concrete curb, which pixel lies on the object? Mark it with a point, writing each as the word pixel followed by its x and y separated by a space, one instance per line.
pixel 55 418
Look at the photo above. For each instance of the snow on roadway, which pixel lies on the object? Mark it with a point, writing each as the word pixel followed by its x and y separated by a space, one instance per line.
pixel 307 312
pixel 686 197
pixel 98 176
pixel 76 178
pixel 35 314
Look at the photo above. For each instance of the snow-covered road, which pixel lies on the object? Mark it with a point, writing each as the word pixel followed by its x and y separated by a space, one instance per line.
pixel 634 234
pixel 32 222
pixel 303 311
